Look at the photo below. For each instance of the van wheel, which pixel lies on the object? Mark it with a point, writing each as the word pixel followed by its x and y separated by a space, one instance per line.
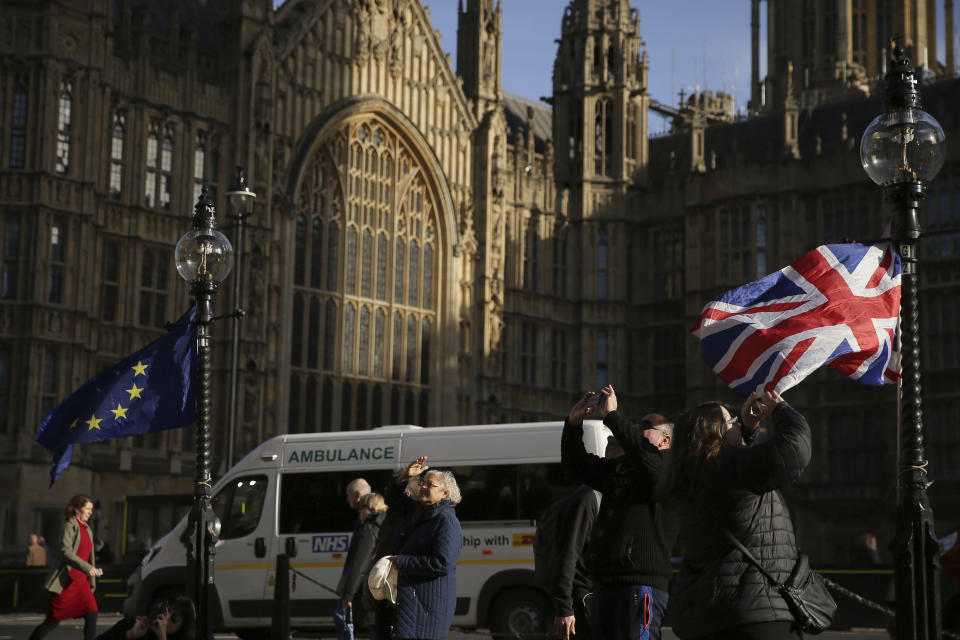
pixel 520 612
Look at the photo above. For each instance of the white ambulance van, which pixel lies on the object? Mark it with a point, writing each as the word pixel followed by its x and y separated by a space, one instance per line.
pixel 292 486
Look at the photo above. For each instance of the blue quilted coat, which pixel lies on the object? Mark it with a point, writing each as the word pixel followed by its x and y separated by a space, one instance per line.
pixel 429 547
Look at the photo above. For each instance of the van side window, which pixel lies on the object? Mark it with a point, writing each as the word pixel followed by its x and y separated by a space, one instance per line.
pixel 316 502
pixel 239 505
pixel 509 492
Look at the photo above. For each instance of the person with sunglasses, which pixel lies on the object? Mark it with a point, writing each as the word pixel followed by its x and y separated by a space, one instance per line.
pixel 628 555
pixel 722 479
pixel 167 621
pixel 428 547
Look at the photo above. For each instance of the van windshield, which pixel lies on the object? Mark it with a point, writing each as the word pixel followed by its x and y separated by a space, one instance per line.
pixel 239 505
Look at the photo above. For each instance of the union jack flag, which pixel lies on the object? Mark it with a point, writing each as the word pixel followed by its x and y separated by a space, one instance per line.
pixel 838 305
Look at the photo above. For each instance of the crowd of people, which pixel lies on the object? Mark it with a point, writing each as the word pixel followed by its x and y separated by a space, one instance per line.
pixel 699 483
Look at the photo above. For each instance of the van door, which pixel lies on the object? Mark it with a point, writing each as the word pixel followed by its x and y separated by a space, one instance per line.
pixel 244 555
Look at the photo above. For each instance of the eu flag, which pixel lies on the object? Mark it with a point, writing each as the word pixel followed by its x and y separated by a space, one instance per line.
pixel 151 390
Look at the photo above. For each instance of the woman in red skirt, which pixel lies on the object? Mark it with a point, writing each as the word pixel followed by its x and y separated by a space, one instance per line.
pixel 73 579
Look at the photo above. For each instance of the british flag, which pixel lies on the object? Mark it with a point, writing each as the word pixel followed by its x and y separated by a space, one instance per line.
pixel 838 306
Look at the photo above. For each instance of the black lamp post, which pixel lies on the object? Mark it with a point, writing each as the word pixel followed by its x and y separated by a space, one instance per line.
pixel 241 201
pixel 204 258
pixel 901 150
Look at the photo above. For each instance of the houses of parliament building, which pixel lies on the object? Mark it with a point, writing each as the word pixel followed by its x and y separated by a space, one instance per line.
pixel 427 249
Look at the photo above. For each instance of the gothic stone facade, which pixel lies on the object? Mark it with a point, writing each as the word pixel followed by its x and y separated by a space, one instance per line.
pixel 424 248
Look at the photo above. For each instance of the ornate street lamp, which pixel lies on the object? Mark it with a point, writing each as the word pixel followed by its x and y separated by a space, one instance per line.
pixel 204 257
pixel 901 150
pixel 241 202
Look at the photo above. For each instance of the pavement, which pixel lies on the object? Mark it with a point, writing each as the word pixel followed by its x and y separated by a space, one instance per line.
pixel 19 626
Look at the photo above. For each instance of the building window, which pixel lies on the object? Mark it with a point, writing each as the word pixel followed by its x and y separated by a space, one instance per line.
pixel 349 322
pixel 57 260
pixel 11 256
pixel 736 267
pixel 350 269
pixel 382 267
pixel 63 126
pixel 294 420
pixel 397 345
pixel 528 353
pixel 411 348
pixel 530 248
pixel 603 138
pixel 296 331
pixel 310 415
pixel 49 383
pixel 560 263
pixel 366 261
pixel 669 360
pixel 313 335
pixel 18 124
pixel 116 154
pixel 668 263
pixel 761 241
pixel 153 153
pixel 330 336
pixel 346 406
pixel 425 352
pixel 940 336
pixel 299 250
pixel 111 280
pixel 602 267
pixel 159 165
pixel 4 386
pixel 379 345
pixel 356 221
pixel 602 372
pixel 413 281
pixel 558 359
pixel 363 356
pixel 199 165
pixel 154 272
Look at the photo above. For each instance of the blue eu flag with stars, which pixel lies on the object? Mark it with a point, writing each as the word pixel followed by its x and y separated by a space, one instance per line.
pixel 151 390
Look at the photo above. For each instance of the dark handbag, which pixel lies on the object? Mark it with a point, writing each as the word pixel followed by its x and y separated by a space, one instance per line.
pixel 806 594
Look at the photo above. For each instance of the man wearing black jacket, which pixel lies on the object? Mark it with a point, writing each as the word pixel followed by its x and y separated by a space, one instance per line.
pixel 357 563
pixel 565 575
pixel 629 551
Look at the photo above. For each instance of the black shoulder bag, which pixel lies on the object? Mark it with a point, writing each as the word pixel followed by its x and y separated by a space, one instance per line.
pixel 806 594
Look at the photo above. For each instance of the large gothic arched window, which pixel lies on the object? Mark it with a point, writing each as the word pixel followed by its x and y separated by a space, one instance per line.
pixel 366 258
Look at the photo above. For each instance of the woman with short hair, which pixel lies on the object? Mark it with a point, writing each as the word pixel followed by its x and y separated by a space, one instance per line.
pixel 428 549
pixel 722 482
pixel 73 578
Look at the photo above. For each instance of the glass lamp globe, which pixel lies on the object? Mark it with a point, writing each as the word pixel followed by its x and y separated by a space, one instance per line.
pixel 241 200
pixel 903 145
pixel 204 254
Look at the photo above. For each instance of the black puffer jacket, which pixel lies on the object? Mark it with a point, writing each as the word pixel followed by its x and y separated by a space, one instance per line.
pixel 631 539
pixel 738 489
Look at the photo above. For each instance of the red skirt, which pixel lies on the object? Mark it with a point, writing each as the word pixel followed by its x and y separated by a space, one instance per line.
pixel 75 601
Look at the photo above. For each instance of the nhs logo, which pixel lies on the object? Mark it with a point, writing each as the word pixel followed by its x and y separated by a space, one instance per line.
pixel 331 542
